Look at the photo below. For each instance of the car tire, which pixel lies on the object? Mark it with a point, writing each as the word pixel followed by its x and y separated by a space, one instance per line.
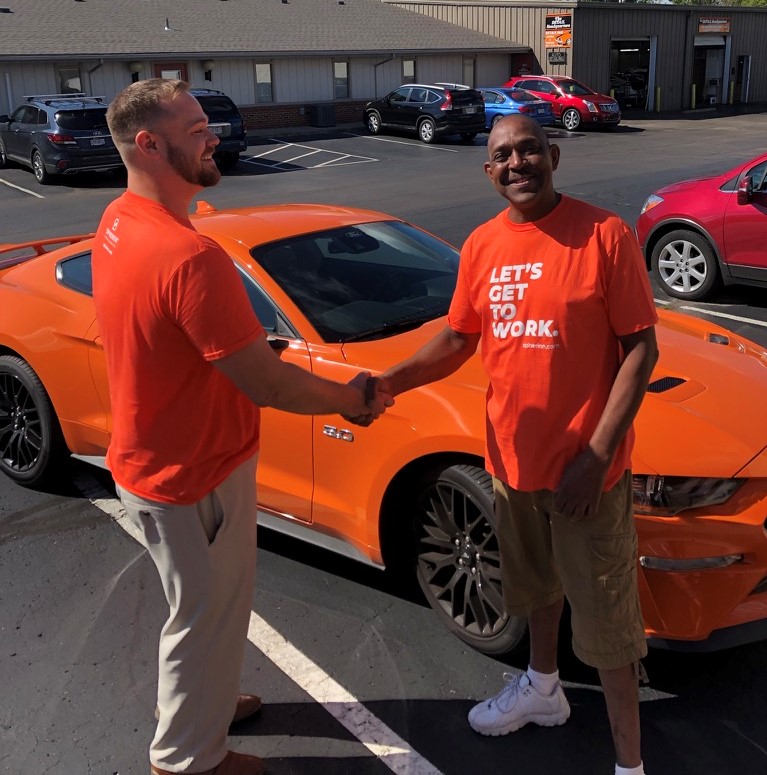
pixel 3 156
pixel 456 556
pixel 229 159
pixel 571 119
pixel 685 265
pixel 467 137
pixel 31 443
pixel 496 119
pixel 42 176
pixel 427 131
pixel 373 122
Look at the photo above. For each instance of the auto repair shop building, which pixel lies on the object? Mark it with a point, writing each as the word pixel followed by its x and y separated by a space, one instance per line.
pixel 654 57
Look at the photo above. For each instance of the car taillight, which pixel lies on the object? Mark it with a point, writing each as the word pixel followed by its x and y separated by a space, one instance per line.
pixel 524 109
pixel 447 104
pixel 58 139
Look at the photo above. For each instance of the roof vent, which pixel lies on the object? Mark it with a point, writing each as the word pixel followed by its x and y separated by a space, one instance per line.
pixel 665 383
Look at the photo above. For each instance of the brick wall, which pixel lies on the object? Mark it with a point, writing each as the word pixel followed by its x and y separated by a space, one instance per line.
pixel 279 115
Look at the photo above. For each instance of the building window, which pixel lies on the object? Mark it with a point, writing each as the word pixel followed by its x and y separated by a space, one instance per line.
pixel 264 82
pixel 341 80
pixel 468 71
pixel 68 78
pixel 408 71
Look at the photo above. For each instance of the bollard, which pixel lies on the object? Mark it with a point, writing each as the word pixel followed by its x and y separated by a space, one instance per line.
pixel 657 99
pixel 692 97
pixel 731 95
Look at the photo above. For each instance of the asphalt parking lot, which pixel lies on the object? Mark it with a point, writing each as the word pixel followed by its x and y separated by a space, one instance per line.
pixel 357 677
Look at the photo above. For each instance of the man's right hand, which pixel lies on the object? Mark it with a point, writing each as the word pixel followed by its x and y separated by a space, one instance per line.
pixel 374 400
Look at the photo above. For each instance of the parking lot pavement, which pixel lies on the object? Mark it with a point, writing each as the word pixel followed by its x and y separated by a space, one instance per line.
pixel 284 155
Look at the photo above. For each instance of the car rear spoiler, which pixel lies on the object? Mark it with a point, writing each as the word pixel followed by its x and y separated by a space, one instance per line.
pixel 26 250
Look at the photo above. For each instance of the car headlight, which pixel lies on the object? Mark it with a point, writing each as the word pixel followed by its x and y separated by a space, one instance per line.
pixel 651 202
pixel 591 106
pixel 665 496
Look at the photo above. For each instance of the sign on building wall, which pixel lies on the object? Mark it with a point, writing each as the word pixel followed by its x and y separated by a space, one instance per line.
pixel 713 25
pixel 557 57
pixel 559 31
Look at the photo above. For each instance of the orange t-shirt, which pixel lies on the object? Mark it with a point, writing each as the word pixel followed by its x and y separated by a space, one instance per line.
pixel 550 299
pixel 169 301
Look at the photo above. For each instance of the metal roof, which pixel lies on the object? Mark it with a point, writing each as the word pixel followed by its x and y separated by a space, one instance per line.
pixel 87 29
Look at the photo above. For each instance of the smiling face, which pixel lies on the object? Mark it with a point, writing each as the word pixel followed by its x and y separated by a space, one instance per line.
pixel 521 165
pixel 189 144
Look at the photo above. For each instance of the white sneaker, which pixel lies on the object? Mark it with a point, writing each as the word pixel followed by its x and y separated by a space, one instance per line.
pixel 517 704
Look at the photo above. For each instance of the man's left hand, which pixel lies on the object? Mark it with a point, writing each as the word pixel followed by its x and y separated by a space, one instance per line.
pixel 580 488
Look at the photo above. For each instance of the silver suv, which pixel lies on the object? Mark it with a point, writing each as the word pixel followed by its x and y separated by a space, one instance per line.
pixel 58 134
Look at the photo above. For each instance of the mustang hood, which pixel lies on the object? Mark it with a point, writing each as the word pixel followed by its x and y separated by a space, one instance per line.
pixel 705 413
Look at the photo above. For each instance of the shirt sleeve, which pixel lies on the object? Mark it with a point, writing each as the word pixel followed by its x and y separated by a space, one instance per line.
pixel 630 302
pixel 462 316
pixel 207 299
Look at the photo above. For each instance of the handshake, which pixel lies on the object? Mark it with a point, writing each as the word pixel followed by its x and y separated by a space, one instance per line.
pixel 373 396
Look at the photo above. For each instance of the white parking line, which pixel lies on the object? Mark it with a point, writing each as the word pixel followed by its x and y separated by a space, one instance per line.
pixel 381 741
pixel 19 188
pixel 714 313
pixel 426 146
pixel 266 153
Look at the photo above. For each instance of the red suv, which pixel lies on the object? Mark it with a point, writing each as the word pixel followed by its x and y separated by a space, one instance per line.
pixel 699 234
pixel 572 102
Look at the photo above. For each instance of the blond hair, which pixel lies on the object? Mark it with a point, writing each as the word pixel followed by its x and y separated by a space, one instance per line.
pixel 139 106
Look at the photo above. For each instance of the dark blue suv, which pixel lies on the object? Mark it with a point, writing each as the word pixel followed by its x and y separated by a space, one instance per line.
pixel 225 121
pixel 59 134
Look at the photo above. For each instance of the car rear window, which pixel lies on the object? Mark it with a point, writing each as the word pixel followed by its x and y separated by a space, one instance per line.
pixel 94 118
pixel 520 95
pixel 466 97
pixel 217 107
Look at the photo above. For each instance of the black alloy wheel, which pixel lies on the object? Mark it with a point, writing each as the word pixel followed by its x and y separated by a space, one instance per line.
pixel 30 437
pixel 458 560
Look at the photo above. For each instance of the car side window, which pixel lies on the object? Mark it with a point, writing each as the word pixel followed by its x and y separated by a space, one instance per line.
pixel 262 306
pixel 758 176
pixel 432 96
pixel 18 113
pixel 41 118
pixel 545 87
pixel 417 95
pixel 75 273
pixel 490 97
pixel 399 95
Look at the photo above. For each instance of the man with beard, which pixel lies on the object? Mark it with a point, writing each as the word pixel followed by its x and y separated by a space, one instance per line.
pixel 558 292
pixel 189 367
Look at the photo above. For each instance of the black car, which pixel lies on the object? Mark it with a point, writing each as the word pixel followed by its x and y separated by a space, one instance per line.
pixel 429 110
pixel 59 134
pixel 225 121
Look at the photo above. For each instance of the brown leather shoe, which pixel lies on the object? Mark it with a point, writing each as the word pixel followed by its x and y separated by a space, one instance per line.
pixel 247 705
pixel 232 764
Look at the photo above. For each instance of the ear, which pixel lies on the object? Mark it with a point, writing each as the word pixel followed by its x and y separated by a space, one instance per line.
pixel 488 169
pixel 146 142
pixel 554 151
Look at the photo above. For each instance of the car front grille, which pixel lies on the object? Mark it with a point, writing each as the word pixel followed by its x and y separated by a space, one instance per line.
pixel 610 107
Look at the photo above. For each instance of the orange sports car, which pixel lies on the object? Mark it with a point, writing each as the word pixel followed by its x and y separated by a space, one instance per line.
pixel 341 289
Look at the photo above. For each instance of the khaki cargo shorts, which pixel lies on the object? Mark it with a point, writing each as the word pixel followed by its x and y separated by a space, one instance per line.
pixel 592 562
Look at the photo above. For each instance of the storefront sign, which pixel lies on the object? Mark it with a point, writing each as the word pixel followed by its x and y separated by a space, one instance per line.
pixel 713 25
pixel 557 57
pixel 559 31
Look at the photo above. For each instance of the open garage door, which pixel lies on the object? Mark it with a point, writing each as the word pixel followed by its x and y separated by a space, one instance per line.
pixel 632 72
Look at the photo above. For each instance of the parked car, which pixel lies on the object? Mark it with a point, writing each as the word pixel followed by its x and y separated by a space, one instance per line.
pixel 225 121
pixel 500 102
pixel 700 234
pixel 340 289
pixel 428 110
pixel 573 103
pixel 59 134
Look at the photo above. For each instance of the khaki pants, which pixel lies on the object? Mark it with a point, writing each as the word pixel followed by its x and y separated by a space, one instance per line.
pixel 206 557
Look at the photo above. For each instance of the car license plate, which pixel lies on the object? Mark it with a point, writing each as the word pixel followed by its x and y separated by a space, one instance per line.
pixel 541 110
pixel 470 110
pixel 217 130
pixel 98 141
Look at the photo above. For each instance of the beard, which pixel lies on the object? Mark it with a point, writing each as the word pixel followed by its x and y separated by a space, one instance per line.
pixel 196 174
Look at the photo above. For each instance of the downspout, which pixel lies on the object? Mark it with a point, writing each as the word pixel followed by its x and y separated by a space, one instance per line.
pixel 684 59
pixel 375 72
pixel 8 92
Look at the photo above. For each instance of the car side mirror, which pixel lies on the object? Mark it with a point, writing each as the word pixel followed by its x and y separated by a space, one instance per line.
pixel 745 189
pixel 278 345
pixel 5 119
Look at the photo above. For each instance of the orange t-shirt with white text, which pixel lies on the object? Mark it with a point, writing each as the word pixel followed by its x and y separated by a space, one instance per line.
pixel 169 302
pixel 550 299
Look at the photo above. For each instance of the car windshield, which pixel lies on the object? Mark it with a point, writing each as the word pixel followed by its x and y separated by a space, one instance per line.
pixel 520 95
pixel 574 87
pixel 365 281
pixel 73 120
